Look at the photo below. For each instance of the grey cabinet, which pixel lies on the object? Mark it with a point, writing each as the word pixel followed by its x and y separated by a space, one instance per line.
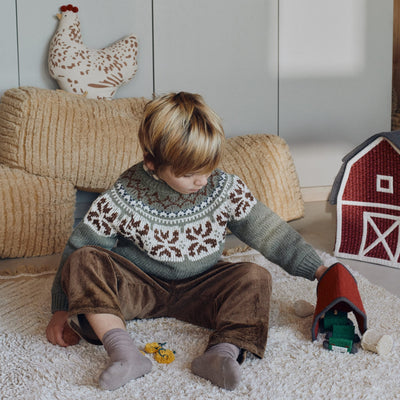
pixel 225 50
pixel 315 72
pixel 335 74
pixel 8 46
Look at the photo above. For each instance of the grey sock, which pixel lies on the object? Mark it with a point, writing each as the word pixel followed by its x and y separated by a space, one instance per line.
pixel 127 362
pixel 219 365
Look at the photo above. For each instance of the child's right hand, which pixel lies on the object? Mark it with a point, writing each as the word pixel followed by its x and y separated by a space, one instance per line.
pixel 59 332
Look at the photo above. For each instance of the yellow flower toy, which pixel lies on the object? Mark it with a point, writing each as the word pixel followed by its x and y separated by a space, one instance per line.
pixel 164 356
pixel 161 355
pixel 152 347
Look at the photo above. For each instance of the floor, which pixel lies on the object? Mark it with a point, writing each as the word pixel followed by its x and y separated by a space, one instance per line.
pixel 318 227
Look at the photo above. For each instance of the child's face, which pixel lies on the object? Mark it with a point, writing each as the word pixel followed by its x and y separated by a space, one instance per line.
pixel 190 183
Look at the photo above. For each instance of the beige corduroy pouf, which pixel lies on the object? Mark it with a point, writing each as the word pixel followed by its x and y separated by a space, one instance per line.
pixel 266 166
pixel 61 135
pixel 36 216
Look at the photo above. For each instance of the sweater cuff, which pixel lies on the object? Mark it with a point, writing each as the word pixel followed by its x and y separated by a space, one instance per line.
pixel 59 302
pixel 307 268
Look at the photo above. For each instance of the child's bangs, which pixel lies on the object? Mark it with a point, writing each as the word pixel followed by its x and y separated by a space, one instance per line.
pixel 201 154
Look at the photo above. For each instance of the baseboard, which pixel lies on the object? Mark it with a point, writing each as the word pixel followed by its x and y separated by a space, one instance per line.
pixel 316 193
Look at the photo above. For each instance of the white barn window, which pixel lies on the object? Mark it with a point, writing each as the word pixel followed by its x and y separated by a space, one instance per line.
pixel 384 184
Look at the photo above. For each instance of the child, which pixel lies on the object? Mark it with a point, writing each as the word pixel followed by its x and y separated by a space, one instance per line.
pixel 151 247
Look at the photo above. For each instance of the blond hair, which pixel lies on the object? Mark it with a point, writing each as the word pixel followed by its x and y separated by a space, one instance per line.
pixel 181 131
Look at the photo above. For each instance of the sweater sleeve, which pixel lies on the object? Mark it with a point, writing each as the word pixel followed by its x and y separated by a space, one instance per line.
pixel 83 235
pixel 265 231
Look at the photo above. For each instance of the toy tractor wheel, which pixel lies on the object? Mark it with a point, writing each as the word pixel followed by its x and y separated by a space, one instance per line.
pixel 354 349
pixel 328 335
pixel 325 344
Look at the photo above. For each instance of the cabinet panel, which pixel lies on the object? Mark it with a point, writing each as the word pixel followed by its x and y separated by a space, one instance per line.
pixel 335 61
pixel 8 46
pixel 335 80
pixel 226 50
pixel 101 25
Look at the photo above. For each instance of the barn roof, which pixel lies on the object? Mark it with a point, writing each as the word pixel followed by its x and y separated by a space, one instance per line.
pixel 393 137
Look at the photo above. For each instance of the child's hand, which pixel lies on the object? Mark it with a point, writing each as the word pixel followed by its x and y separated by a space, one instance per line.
pixel 320 271
pixel 59 332
pixel 70 336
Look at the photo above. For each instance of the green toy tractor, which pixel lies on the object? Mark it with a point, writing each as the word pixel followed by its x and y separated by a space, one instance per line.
pixel 340 332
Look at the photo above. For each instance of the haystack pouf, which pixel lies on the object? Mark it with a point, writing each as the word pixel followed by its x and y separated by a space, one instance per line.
pixel 266 166
pixel 62 135
pixel 36 216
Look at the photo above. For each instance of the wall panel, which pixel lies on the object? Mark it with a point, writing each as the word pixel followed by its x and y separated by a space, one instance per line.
pixel 335 80
pixel 224 50
pixel 8 46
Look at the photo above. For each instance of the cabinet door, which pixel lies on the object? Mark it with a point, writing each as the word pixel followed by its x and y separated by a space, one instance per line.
pixel 8 46
pixel 335 80
pixel 101 24
pixel 225 50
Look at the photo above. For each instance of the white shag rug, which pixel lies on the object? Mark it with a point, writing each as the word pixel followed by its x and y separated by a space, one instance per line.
pixel 294 367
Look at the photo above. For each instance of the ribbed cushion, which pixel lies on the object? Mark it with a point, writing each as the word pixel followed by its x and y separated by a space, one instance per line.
pixel 36 214
pixel 61 135
pixel 266 166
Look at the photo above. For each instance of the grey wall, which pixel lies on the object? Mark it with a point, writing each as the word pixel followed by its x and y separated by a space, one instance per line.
pixel 334 81
pixel 316 72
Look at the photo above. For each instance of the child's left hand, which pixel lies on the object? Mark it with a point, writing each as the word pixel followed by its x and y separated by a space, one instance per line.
pixel 320 271
pixel 58 332
pixel 70 337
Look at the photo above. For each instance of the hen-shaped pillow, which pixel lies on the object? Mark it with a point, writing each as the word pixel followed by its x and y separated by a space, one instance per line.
pixel 96 73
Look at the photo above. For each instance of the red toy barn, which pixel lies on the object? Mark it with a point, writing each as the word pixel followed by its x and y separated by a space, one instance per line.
pixel 338 290
pixel 367 194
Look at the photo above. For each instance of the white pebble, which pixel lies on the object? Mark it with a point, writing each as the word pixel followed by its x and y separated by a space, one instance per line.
pixel 303 308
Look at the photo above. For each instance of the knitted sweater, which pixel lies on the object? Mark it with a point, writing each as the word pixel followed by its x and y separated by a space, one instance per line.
pixel 176 236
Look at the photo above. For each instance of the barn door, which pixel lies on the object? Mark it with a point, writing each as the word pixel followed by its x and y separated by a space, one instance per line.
pixel 381 238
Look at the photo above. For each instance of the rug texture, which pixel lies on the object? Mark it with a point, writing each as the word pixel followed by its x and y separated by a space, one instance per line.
pixel 294 367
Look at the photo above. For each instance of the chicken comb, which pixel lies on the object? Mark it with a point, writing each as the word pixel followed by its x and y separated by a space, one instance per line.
pixel 69 7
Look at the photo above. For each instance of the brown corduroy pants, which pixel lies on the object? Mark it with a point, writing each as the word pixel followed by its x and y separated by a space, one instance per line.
pixel 232 299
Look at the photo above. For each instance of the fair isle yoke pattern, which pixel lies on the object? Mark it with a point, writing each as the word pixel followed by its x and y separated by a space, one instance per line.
pixel 166 225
